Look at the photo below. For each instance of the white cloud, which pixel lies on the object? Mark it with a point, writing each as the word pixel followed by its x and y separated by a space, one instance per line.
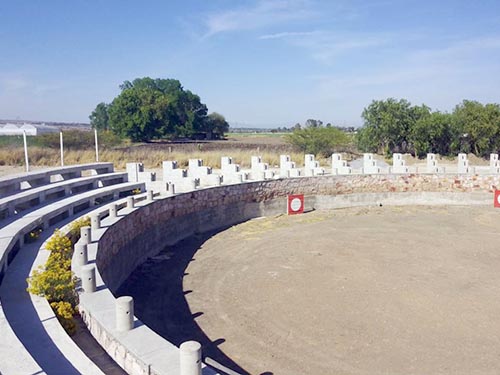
pixel 262 14
pixel 287 34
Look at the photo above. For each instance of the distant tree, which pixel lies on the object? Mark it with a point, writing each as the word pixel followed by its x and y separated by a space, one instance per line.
pixel 318 140
pixel 150 108
pixel 140 114
pixel 433 133
pixel 387 125
pixel 311 123
pixel 217 125
pixel 99 119
pixel 477 128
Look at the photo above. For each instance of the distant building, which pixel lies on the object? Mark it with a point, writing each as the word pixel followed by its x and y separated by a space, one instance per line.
pixel 33 130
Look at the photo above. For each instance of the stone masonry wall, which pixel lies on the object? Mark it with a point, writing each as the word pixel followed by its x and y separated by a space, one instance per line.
pixel 145 232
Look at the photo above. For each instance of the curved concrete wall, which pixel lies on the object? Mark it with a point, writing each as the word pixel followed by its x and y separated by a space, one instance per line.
pixel 145 232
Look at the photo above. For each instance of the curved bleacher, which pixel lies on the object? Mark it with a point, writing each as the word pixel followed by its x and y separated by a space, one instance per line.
pixel 31 202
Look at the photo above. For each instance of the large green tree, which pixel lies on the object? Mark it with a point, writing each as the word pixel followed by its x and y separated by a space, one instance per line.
pixel 477 127
pixel 387 125
pixel 149 109
pixel 432 132
pixel 317 139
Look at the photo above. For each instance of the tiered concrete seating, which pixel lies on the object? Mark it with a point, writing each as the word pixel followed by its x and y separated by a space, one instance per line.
pixel 15 183
pixel 38 194
pixel 13 235
pixel 26 199
pixel 340 166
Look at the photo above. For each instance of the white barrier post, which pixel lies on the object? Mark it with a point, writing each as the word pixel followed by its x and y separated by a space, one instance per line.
pixel 62 148
pixel 96 146
pixel 26 152
pixel 190 358
pixel 85 235
pixel 113 210
pixel 88 278
pixel 130 202
pixel 124 313
pixel 81 254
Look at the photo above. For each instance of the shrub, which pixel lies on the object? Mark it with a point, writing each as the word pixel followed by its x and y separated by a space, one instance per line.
pixel 75 226
pixel 65 312
pixel 55 281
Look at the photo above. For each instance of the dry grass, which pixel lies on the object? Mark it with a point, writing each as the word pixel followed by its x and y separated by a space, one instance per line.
pixel 152 158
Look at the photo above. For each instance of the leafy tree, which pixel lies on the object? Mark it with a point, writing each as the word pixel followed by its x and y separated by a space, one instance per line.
pixel 150 108
pixel 317 139
pixel 140 114
pixel 477 127
pixel 434 133
pixel 217 125
pixel 99 119
pixel 387 125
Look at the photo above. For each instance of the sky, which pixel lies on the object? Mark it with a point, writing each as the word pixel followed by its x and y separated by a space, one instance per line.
pixel 259 63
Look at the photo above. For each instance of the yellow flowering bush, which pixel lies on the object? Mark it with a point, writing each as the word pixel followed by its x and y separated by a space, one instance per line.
pixel 55 281
pixel 64 312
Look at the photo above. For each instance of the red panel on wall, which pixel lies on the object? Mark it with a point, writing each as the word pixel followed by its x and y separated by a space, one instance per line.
pixel 295 204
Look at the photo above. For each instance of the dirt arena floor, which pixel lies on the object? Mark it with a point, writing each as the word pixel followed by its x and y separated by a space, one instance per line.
pixel 382 290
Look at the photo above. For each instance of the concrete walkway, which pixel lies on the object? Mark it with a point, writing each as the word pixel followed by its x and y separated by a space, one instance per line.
pixel 34 332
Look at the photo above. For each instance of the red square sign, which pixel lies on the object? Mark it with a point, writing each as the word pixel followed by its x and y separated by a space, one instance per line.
pixel 496 202
pixel 295 204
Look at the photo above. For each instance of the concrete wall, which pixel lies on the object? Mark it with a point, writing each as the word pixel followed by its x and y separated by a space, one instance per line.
pixel 145 232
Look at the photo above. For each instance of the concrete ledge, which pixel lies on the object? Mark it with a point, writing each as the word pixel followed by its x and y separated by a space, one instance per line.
pixel 128 349
pixel 13 183
pixel 12 235
pixel 24 200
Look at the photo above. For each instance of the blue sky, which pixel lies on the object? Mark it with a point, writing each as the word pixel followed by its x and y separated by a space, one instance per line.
pixel 259 63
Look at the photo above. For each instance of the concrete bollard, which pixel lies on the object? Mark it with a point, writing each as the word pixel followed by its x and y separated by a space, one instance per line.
pixel 81 254
pixel 113 211
pixel 130 202
pixel 150 196
pixel 124 313
pixel 170 189
pixel 88 278
pixel 190 358
pixel 85 235
pixel 95 222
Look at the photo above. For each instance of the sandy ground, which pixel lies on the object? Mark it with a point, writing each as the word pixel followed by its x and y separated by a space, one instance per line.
pixel 359 291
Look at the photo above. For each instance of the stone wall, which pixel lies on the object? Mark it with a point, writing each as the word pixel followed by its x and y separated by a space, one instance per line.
pixel 145 232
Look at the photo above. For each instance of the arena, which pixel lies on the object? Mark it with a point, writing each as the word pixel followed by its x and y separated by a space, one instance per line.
pixel 366 290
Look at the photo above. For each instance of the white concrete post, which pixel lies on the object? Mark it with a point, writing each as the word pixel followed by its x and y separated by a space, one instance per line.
pixel 88 278
pixel 96 146
pixel 62 148
pixel 85 235
pixel 150 196
pixel 95 222
pixel 170 188
pixel 190 358
pixel 130 202
pixel 26 152
pixel 124 313
pixel 81 254
pixel 113 210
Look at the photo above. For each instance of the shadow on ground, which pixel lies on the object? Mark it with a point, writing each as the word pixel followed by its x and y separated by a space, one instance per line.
pixel 160 300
